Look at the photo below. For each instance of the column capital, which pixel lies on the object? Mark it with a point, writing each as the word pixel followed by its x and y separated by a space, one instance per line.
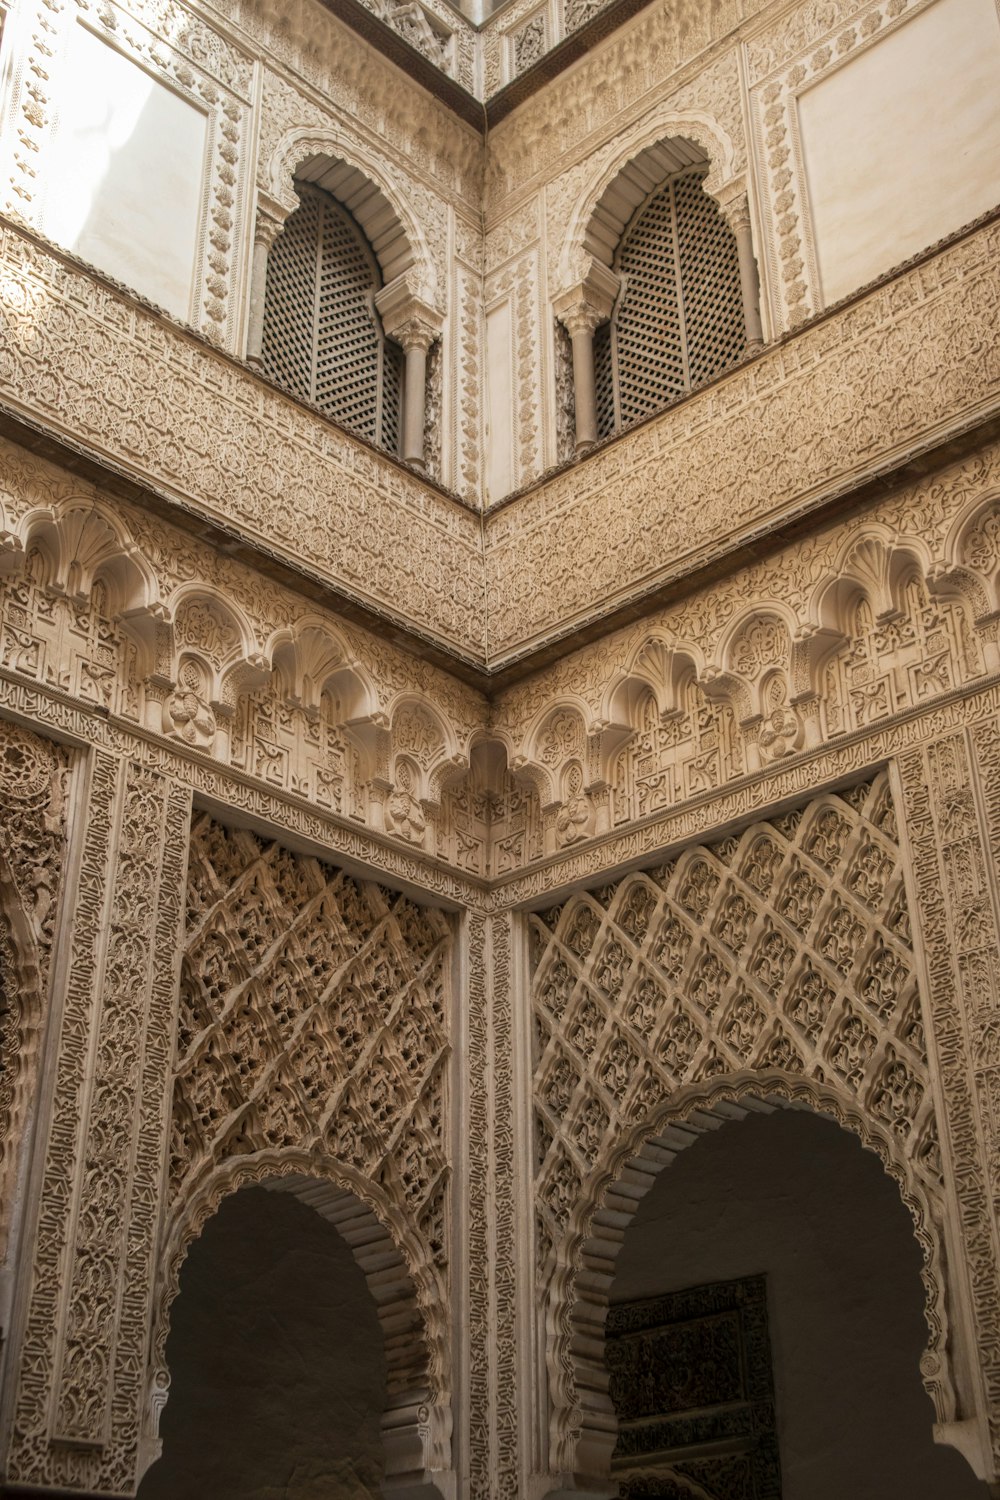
pixel 734 204
pixel 406 316
pixel 269 221
pixel 588 304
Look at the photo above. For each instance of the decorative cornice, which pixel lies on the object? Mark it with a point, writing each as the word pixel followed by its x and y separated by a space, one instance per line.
pixel 381 36
pixel 953 271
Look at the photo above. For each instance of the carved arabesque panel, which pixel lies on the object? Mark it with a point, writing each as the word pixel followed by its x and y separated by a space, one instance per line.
pixel 676 755
pixel 33 776
pixel 786 946
pixel 897 658
pixel 69 641
pixel 490 831
pixel 314 1014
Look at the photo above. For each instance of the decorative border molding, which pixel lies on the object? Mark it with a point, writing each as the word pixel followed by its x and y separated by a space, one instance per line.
pixel 782 62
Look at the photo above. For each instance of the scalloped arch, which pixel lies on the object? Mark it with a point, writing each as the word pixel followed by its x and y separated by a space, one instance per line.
pixel 975 518
pixel 404 1283
pixel 875 563
pixel 311 656
pixel 199 592
pixel 582 1420
pixel 618 187
pixel 662 665
pixel 85 540
pixel 358 180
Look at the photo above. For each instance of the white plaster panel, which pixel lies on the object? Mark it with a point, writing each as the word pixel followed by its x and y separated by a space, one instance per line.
pixel 902 144
pixel 126 168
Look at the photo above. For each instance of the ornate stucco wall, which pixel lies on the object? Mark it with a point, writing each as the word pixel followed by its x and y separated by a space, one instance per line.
pixel 448 857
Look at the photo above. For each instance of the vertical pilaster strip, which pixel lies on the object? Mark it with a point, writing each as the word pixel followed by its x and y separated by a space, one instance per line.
pixel 504 1190
pixel 481 1428
pixel 492 1292
pixel 84 1357
pixel 953 863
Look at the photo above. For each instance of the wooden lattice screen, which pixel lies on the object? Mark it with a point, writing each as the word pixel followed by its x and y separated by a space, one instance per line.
pixel 322 335
pixel 679 318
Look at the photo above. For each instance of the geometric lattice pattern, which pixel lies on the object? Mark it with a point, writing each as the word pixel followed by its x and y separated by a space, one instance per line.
pixel 786 947
pixel 679 317
pixel 314 1014
pixel 322 336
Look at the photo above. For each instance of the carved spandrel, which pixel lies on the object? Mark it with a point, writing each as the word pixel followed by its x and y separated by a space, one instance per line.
pixel 778 947
pixel 316 1008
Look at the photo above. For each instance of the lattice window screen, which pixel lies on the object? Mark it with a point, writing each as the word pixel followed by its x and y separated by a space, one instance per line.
pixel 322 336
pixel 679 316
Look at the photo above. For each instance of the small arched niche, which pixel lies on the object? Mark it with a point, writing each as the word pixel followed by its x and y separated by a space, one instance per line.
pixel 277 1362
pixel 775 1259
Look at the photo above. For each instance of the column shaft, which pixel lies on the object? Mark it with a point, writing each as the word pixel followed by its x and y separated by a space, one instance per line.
pixel 414 397
pixel 258 287
pixel 584 392
pixel 749 284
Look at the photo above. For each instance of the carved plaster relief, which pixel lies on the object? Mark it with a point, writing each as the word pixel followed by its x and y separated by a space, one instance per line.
pixel 295 129
pixel 318 1009
pixel 783 953
pixel 304 40
pixel 881 614
pixel 704 110
pixel 33 789
pixel 951 818
pixel 315 1016
pixel 248 452
pixel 643 54
pixel 88 1297
pixel 707 466
pixel 554 544
pixel 517 284
pixel 65 546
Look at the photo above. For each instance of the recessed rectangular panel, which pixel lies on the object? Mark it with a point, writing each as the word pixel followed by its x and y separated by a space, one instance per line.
pixel 691 1382
pixel 124 174
pixel 902 143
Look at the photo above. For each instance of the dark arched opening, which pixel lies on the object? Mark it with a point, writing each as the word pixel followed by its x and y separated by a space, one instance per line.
pixel 277 1362
pixel 794 1199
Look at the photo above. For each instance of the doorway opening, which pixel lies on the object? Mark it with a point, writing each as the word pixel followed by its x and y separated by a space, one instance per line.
pixel 277 1362
pixel 793 1201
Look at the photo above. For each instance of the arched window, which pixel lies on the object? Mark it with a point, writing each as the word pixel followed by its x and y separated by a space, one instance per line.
pixel 322 337
pixel 679 316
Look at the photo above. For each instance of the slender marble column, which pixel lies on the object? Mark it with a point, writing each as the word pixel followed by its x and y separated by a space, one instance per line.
pixel 266 231
pixel 738 215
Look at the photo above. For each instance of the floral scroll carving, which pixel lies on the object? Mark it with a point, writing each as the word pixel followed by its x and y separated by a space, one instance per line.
pixel 87 1316
pixel 33 775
